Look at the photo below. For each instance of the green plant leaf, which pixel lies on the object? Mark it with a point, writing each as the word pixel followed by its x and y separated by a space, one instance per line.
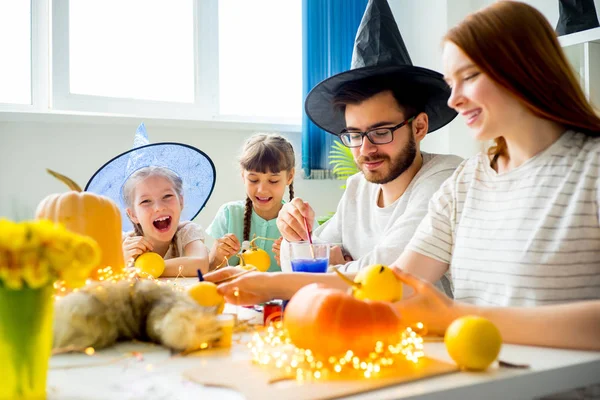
pixel 342 160
pixel 324 218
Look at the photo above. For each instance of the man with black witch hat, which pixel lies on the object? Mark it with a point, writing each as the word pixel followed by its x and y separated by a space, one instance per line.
pixel 382 108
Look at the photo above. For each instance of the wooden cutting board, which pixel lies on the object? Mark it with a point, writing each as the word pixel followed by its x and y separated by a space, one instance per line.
pixel 255 382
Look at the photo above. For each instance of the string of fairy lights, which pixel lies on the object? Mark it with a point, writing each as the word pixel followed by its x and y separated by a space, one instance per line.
pixel 272 348
pixel 107 274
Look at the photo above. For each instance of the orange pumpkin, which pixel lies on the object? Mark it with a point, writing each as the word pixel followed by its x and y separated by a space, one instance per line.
pixel 87 214
pixel 330 322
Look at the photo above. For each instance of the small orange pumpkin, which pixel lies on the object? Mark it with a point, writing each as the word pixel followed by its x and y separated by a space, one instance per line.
pixel 87 214
pixel 330 322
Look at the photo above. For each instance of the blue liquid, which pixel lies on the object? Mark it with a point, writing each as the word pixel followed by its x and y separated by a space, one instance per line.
pixel 310 265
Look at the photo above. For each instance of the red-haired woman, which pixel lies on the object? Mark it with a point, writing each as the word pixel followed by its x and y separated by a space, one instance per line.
pixel 518 228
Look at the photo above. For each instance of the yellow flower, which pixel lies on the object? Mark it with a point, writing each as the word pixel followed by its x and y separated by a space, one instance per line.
pixel 86 256
pixel 32 239
pixel 32 253
pixel 36 275
pixel 60 256
pixel 3 258
pixel 11 278
pixel 35 271
pixel 12 235
pixel 51 233
pixel 86 251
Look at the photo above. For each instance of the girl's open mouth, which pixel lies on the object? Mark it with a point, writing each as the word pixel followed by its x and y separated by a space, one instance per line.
pixel 263 200
pixel 162 224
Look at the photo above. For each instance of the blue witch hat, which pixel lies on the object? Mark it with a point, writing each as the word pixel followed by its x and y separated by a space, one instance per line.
pixel 193 166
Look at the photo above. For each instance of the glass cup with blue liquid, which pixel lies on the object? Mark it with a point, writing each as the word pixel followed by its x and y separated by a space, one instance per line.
pixel 307 257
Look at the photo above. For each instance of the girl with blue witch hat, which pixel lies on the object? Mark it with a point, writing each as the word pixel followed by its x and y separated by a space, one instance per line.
pixel 160 188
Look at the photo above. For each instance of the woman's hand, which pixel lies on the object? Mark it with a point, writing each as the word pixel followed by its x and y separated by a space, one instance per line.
pixel 134 246
pixel 337 256
pixel 226 246
pixel 223 273
pixel 426 304
pixel 252 287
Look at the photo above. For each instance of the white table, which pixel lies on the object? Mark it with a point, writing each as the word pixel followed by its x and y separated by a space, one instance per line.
pixel 157 375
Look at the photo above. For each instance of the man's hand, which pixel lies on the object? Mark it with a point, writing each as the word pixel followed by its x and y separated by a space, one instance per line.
pixel 291 220
pixel 277 250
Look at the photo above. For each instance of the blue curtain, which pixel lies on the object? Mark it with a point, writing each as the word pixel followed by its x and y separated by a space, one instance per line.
pixel 328 31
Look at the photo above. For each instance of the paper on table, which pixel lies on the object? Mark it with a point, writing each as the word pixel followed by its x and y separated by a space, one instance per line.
pixel 254 382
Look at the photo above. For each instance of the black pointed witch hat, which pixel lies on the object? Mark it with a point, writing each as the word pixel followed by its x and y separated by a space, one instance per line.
pixel 380 50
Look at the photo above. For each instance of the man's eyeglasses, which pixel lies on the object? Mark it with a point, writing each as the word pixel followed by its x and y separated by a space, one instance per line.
pixel 375 136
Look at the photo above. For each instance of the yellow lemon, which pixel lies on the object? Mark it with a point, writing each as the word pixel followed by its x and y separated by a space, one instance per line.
pixel 151 264
pixel 258 258
pixel 377 282
pixel 473 342
pixel 205 293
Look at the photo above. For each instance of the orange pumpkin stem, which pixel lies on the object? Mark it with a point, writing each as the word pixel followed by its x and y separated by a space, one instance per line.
pixel 347 280
pixel 66 180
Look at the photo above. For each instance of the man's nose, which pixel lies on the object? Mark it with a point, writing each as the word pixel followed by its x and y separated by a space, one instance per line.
pixel 367 147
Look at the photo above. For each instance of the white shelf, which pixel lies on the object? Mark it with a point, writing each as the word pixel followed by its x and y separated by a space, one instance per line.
pixel 583 51
pixel 590 35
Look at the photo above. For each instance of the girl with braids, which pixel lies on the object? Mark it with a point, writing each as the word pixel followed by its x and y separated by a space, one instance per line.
pixel 160 188
pixel 154 200
pixel 267 164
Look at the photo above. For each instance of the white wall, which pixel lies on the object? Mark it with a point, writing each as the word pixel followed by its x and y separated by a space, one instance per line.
pixel 423 24
pixel 78 148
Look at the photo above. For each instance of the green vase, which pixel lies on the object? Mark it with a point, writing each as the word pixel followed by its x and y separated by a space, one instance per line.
pixel 25 342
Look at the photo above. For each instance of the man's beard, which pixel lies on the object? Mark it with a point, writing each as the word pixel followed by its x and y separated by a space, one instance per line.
pixel 398 164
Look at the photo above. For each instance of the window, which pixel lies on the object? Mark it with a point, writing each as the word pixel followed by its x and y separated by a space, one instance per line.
pixel 190 59
pixel 260 58
pixel 138 49
pixel 15 47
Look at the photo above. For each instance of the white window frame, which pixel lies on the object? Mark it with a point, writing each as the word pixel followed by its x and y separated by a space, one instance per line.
pixel 39 60
pixel 51 99
pixel 206 100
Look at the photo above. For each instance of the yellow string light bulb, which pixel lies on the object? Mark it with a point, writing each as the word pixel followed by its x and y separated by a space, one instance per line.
pixel 272 348
pixel 107 274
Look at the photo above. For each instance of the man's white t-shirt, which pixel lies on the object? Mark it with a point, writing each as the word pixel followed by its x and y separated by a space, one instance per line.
pixel 378 235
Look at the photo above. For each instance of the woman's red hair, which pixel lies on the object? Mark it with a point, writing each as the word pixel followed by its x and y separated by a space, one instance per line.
pixel 515 45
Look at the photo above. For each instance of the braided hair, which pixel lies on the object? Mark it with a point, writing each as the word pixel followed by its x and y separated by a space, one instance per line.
pixel 266 153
